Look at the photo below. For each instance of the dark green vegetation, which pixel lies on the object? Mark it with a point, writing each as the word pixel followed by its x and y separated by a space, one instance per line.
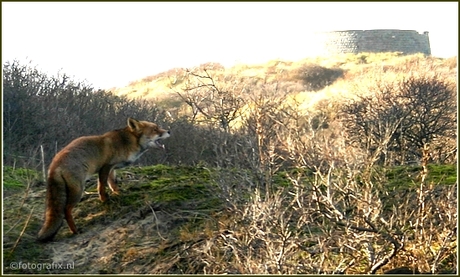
pixel 326 165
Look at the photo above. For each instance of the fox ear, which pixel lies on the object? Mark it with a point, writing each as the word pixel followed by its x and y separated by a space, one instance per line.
pixel 133 123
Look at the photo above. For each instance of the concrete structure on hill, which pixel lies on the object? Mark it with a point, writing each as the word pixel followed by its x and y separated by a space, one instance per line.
pixel 381 40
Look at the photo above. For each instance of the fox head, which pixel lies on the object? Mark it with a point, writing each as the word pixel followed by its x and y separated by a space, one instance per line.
pixel 150 135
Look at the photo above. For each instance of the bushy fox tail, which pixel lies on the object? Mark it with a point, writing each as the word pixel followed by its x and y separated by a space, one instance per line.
pixel 56 199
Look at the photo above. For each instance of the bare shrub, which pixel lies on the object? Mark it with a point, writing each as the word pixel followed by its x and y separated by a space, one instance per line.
pixel 398 119
pixel 373 120
pixel 210 103
pixel 193 144
pixel 431 102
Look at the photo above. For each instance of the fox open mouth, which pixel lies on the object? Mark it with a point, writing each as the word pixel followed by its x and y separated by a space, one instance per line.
pixel 159 144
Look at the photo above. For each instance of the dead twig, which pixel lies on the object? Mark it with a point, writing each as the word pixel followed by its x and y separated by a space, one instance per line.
pixel 23 230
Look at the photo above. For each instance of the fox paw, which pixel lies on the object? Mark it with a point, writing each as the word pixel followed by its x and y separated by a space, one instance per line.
pixel 103 197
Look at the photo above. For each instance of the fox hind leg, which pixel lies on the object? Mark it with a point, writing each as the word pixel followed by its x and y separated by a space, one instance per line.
pixel 69 218
pixel 75 193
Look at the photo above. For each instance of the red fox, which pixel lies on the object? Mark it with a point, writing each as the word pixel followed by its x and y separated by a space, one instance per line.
pixel 84 156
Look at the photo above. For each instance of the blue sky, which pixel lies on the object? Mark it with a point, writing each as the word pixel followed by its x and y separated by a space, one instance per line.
pixel 110 44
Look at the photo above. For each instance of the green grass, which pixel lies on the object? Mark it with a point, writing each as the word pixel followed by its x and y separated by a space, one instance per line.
pixel 174 185
pixel 173 188
pixel 407 176
pixel 14 177
pixel 395 176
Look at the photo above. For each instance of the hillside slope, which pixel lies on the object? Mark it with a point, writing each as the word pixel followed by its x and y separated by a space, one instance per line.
pixel 324 76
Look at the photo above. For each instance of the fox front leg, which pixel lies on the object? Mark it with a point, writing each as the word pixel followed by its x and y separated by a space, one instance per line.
pixel 113 182
pixel 102 182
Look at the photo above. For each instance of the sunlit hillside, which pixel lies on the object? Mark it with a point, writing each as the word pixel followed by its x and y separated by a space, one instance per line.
pixel 308 80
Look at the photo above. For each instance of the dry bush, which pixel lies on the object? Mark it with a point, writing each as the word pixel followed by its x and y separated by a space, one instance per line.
pixel 192 144
pixel 210 103
pixel 342 217
pixel 342 220
pixel 398 119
